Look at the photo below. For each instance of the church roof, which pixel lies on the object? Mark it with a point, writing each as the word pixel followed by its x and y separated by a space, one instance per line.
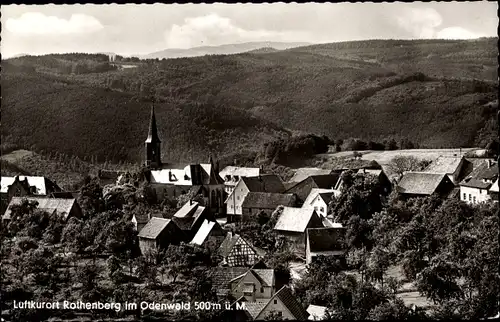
pixel 153 131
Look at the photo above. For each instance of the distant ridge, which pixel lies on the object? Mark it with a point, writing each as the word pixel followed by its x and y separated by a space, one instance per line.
pixel 263 50
pixel 223 49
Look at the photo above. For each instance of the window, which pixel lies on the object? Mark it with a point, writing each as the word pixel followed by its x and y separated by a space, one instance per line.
pixel 470 197
pixel 275 301
pixel 474 199
pixel 322 209
pixel 262 290
pixel 465 196
pixel 280 314
pixel 232 206
pixel 238 198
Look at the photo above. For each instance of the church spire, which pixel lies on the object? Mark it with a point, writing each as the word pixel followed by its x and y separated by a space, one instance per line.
pixel 153 144
pixel 153 131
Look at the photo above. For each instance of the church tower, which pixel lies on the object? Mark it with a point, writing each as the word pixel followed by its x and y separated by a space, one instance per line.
pixel 153 143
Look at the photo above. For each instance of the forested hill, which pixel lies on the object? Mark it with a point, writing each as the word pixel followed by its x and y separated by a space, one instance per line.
pixel 432 92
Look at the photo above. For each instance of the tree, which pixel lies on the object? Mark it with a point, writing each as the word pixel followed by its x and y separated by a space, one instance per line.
pixel 438 281
pixel 392 310
pixel 401 164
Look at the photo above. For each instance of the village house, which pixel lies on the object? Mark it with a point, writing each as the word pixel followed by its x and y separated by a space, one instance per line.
pixel 319 200
pixel 283 304
pixel 475 188
pixel 221 277
pixel 325 242
pixel 422 184
pixel 265 202
pixel 316 312
pixel 20 186
pixel 209 235
pixel 158 233
pixel 304 188
pixel 170 181
pixel 190 218
pixel 383 179
pixel 265 183
pixel 256 285
pixel 66 207
pixel 231 175
pixel 454 167
pixel 236 251
pixel 292 224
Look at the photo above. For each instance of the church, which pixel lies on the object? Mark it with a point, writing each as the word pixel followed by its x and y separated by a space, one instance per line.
pixel 172 180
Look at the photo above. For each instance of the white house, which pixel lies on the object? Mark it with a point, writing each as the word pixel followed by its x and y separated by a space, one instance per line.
pixel 264 183
pixel 475 187
pixel 319 199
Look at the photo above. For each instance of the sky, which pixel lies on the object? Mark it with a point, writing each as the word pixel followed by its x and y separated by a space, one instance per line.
pixel 132 29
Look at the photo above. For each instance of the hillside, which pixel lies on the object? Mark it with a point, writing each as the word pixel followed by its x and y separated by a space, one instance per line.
pixel 221 50
pixel 372 90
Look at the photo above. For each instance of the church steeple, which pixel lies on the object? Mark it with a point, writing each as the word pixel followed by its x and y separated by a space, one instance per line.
pixel 153 143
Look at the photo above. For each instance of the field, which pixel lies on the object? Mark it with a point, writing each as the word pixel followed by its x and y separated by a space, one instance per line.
pixel 384 157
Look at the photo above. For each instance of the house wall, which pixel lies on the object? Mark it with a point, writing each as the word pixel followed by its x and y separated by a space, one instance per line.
pixel 258 296
pixel 474 195
pixel 234 202
pixel 146 245
pixel 277 307
pixel 241 255
pixel 319 204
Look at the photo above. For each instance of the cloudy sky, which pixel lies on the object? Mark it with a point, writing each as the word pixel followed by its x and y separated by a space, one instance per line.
pixel 140 29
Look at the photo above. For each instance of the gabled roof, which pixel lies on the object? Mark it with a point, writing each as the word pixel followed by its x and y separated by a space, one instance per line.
pixel 483 173
pixel 154 227
pixel 264 183
pixel 205 229
pixel 374 172
pixel 266 276
pixel 184 223
pixel 420 183
pixel 304 188
pixel 289 300
pixel 239 171
pixel 227 245
pixel 267 200
pixel 317 313
pixel 303 173
pixel 41 184
pixel 444 164
pixel 254 308
pixel 326 196
pixel 294 219
pixel 60 205
pixel 325 239
pixel 188 209
pixel 313 194
pixel 222 275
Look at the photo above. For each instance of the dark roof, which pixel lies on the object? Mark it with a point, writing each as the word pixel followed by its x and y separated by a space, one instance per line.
pixel 154 227
pixel 326 196
pixel 266 276
pixel 303 188
pixel 153 131
pixel 254 308
pixel 264 183
pixel 222 275
pixel 267 200
pixel 485 170
pixel 59 205
pixel 183 223
pixel 291 303
pixel 325 239
pixel 420 183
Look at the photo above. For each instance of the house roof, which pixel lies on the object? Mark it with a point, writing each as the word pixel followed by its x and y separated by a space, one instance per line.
pixel 60 205
pixel 254 308
pixel 227 245
pixel 184 223
pixel 42 184
pixel 313 194
pixel 182 175
pixel 375 172
pixel 204 231
pixel 188 209
pixel 317 313
pixel 484 171
pixel 294 219
pixel 420 183
pixel 286 297
pixel 303 173
pixel 266 276
pixel 154 227
pixel 239 171
pixel 326 196
pixel 222 275
pixel 304 188
pixel 267 200
pixel 329 224
pixel 444 164
pixel 325 239
pixel 264 183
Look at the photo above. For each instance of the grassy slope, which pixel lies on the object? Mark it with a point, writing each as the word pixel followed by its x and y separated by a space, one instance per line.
pixel 341 90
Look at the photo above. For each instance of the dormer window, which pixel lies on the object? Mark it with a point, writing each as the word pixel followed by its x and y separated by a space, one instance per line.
pixel 236 178
pixel 227 177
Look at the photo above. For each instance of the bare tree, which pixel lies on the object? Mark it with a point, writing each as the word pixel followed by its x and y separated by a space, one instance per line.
pixel 401 164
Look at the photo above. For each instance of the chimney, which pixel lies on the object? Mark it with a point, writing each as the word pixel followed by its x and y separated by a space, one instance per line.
pixel 190 202
pixel 488 161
